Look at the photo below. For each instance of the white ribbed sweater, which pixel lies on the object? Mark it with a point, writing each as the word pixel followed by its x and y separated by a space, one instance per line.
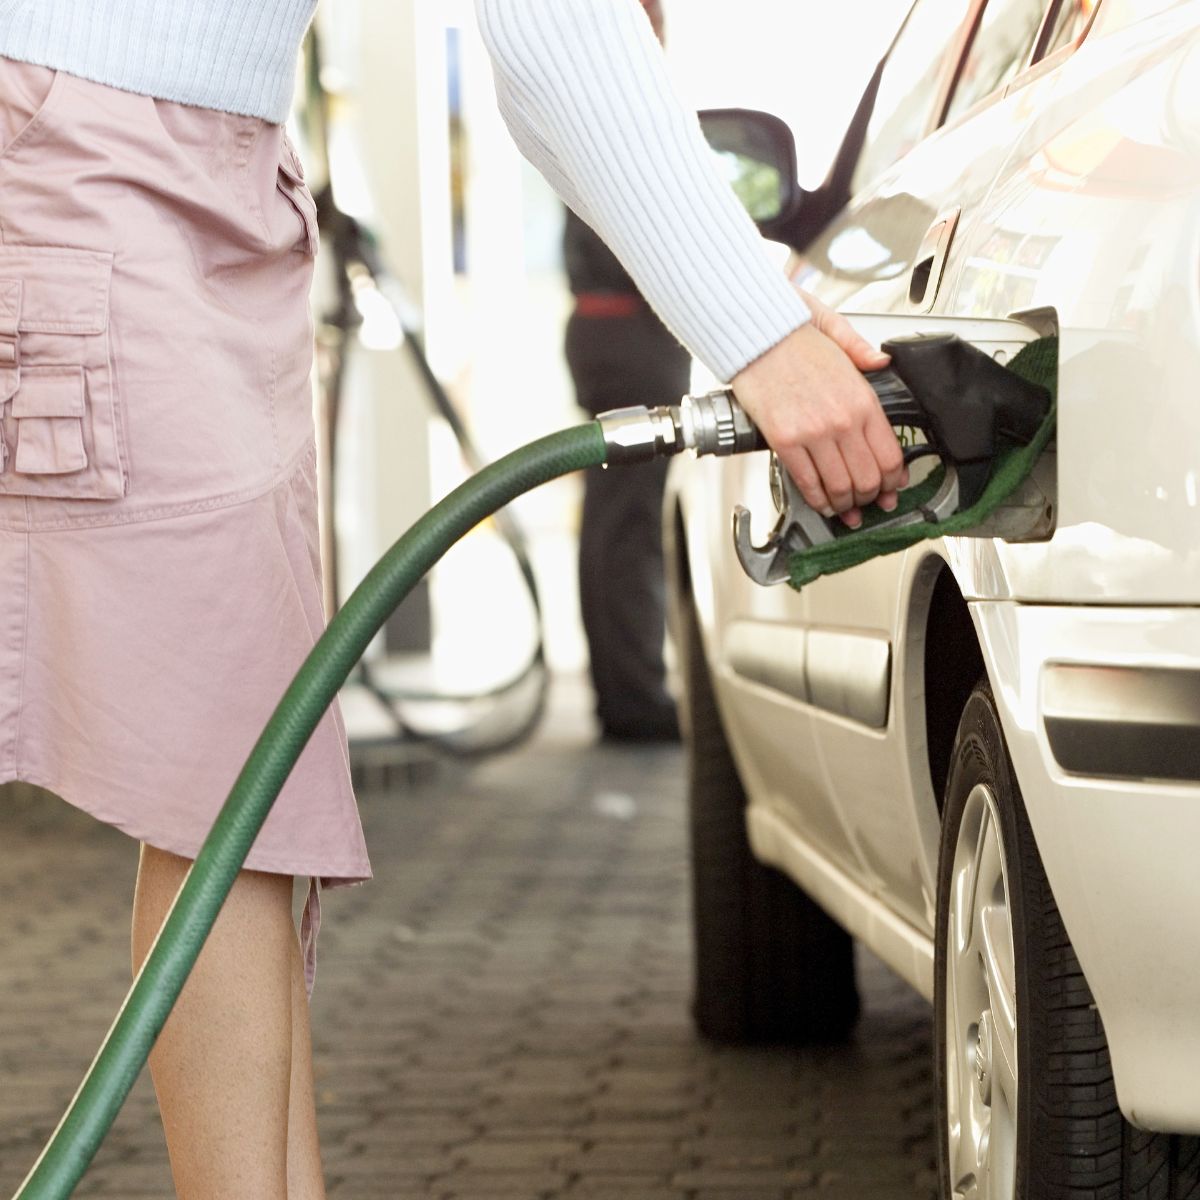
pixel 234 55
pixel 581 83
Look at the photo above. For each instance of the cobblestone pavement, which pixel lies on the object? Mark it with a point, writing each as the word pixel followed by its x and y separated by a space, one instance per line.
pixel 502 1013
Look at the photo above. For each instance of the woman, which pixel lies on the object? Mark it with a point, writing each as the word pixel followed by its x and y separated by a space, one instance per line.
pixel 157 495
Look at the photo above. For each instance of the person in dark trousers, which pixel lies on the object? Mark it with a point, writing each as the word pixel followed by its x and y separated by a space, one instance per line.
pixel 619 353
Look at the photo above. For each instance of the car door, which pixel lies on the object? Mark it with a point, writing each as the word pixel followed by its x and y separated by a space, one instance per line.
pixel 893 254
pixel 773 648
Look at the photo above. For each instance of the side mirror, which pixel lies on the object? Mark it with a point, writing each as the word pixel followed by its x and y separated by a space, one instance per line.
pixel 756 153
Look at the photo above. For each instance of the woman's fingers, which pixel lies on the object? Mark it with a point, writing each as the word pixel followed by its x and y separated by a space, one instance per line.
pixel 819 414
pixel 885 448
pixel 799 465
pixel 835 476
pixel 865 472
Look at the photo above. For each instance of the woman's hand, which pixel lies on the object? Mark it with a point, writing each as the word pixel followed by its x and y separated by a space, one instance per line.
pixel 809 398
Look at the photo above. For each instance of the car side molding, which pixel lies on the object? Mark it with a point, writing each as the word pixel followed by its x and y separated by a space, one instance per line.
pixel 1123 722
pixel 845 674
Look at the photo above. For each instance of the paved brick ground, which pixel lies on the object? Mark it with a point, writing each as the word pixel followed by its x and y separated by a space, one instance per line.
pixel 503 1013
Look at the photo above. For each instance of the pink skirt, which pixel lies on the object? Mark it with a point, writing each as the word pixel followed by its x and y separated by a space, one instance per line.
pixel 158 527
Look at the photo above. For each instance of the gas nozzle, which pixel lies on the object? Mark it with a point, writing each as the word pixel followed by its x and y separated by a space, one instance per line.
pixel 713 423
pixel 959 400
pixel 953 394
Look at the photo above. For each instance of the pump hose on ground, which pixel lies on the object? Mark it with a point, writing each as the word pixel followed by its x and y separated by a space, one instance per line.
pixel 628 435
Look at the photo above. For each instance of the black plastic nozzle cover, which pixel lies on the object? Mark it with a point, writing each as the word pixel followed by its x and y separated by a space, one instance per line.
pixel 968 402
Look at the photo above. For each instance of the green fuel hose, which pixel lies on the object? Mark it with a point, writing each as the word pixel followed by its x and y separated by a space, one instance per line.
pixel 153 993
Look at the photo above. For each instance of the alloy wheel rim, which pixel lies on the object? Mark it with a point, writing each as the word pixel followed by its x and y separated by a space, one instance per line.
pixel 981 1011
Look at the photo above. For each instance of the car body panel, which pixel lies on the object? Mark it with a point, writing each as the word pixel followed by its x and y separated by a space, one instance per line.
pixel 1120 854
pixel 1078 194
pixel 1097 215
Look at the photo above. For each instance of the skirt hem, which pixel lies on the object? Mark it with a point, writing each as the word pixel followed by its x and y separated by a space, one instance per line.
pixel 338 875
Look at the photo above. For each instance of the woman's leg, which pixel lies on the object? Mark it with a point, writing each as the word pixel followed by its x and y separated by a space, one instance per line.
pixel 306 1180
pixel 222 1066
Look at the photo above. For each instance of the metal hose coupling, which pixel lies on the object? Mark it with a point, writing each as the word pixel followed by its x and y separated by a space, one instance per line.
pixel 714 423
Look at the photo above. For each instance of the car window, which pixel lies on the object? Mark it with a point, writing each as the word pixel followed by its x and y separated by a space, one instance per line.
pixel 1069 22
pixel 909 86
pixel 998 51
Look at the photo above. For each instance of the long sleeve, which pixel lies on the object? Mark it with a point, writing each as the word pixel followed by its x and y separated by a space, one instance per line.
pixel 583 87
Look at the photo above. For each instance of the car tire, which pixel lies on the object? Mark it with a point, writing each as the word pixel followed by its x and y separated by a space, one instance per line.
pixel 1054 1130
pixel 770 965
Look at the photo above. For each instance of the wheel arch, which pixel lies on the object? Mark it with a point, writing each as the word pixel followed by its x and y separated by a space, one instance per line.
pixel 943 662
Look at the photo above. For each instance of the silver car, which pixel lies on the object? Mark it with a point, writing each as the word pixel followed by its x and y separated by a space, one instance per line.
pixel 982 756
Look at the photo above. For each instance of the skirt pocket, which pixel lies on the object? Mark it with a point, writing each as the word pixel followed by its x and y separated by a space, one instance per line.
pixel 49 412
pixel 27 94
pixel 61 436
pixel 290 181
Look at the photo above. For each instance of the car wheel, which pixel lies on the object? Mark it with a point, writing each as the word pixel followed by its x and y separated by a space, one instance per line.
pixel 770 965
pixel 1026 1103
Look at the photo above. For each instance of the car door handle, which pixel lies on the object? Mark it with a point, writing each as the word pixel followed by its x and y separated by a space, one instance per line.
pixel 931 261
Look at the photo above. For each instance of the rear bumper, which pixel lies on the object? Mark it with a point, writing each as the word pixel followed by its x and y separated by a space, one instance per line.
pixel 1101 710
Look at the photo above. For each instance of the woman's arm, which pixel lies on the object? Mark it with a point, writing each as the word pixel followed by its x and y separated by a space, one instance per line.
pixel 584 89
